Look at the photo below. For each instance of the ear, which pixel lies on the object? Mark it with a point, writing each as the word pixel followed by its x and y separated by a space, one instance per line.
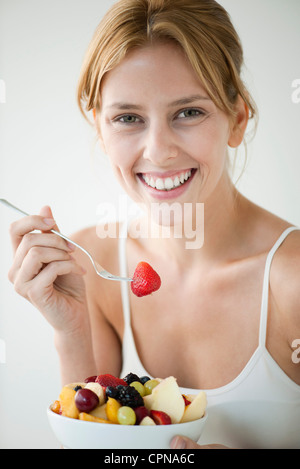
pixel 239 123
pixel 102 146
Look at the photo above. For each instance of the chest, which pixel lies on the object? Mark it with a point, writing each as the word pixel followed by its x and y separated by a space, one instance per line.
pixel 201 329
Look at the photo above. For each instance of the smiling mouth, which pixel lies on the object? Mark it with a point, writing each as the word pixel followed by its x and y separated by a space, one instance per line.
pixel 168 183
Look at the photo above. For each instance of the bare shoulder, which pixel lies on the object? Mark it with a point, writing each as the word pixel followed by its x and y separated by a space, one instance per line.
pixel 285 268
pixel 285 279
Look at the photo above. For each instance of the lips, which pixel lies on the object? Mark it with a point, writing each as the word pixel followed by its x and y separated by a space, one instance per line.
pixel 167 182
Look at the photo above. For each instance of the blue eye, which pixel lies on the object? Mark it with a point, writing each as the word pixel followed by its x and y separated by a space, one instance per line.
pixel 190 113
pixel 127 119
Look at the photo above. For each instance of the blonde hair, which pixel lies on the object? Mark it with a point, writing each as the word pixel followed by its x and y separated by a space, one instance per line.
pixel 202 28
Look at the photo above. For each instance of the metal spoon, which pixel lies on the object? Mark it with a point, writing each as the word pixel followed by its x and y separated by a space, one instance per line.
pixel 98 268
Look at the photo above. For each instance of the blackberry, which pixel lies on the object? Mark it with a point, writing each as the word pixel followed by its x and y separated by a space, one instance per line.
pixel 131 377
pixel 77 388
pixel 129 396
pixel 111 391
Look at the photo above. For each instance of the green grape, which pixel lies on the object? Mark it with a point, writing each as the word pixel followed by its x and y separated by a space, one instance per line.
pixel 126 415
pixel 139 387
pixel 150 385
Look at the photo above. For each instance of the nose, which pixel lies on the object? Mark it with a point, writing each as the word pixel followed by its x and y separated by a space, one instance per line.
pixel 160 145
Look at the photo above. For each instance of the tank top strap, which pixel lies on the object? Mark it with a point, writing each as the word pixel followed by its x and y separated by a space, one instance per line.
pixel 266 279
pixel 123 272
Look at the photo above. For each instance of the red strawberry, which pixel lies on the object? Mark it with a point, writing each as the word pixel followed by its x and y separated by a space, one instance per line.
pixel 145 280
pixel 160 417
pixel 110 380
pixel 140 413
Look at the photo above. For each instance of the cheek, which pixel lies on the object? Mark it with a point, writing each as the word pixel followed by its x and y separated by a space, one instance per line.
pixel 210 150
pixel 120 151
pixel 122 162
pixel 215 144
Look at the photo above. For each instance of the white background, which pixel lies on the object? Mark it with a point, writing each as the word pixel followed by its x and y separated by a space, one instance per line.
pixel 48 156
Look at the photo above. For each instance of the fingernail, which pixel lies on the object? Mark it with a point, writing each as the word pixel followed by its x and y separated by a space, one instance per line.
pixel 49 221
pixel 71 246
pixel 178 443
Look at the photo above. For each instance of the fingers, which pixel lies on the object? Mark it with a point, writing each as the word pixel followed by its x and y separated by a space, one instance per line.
pixel 28 224
pixel 43 270
pixel 182 442
pixel 40 288
pixel 35 248
pixel 33 262
pixel 34 243
pixel 46 213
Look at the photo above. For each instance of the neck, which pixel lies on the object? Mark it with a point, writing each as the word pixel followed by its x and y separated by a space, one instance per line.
pixel 207 234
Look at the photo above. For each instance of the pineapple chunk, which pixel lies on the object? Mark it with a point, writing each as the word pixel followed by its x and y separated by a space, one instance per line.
pixel 90 418
pixel 67 403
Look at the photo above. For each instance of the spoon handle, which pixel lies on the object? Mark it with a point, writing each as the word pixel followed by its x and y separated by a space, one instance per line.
pixel 8 204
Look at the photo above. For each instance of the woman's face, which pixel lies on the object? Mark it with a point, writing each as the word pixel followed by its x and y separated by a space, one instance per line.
pixel 165 138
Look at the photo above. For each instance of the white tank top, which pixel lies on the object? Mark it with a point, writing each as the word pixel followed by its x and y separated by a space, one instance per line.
pixel 260 408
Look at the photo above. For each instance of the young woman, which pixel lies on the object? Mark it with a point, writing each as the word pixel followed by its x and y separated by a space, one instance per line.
pixel 162 80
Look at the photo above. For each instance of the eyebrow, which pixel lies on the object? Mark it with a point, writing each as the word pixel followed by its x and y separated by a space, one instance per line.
pixel 179 102
pixel 189 100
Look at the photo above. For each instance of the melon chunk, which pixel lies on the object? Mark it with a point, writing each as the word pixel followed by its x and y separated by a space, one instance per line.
pixel 167 397
pixel 147 421
pixel 196 409
pixel 99 412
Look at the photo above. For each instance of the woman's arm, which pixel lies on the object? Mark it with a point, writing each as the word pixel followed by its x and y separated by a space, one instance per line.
pixel 103 299
pixel 48 273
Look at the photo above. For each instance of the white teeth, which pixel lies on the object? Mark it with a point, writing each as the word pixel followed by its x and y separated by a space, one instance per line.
pixel 168 183
pixel 159 184
pixel 152 183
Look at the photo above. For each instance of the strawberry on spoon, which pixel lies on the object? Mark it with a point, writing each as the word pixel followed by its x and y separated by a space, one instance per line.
pixel 145 280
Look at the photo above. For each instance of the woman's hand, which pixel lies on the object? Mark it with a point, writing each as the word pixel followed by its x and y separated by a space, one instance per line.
pixel 45 273
pixel 182 442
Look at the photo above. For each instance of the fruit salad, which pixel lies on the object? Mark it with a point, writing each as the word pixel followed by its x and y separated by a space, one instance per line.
pixel 132 400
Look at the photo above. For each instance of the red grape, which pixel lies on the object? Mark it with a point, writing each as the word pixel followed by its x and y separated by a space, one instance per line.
pixel 86 400
pixel 91 379
pixel 140 413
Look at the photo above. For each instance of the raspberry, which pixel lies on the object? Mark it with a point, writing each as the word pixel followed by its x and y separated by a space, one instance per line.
pixel 129 396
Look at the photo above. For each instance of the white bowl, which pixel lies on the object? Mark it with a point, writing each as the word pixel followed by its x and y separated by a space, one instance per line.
pixel 79 434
